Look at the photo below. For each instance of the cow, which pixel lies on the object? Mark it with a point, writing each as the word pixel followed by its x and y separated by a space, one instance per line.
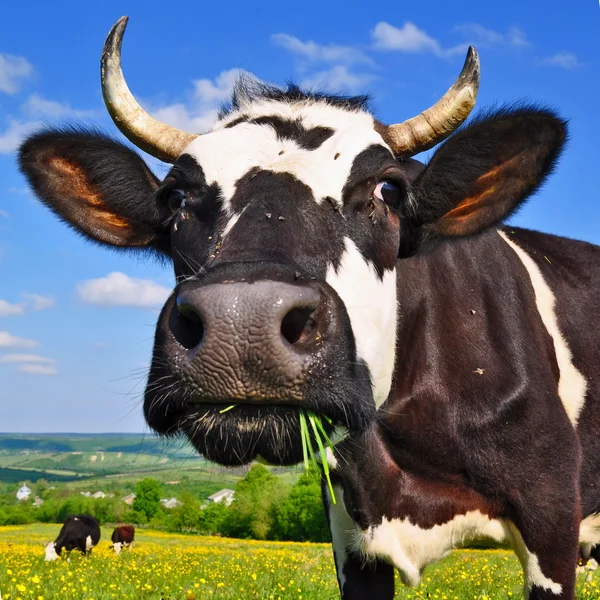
pixel 79 532
pixel 123 537
pixel 319 267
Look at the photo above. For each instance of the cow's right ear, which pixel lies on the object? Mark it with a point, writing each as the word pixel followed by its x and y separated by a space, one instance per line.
pixel 98 186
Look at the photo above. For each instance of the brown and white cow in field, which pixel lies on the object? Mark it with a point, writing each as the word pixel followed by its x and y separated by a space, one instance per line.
pixel 122 537
pixel 319 267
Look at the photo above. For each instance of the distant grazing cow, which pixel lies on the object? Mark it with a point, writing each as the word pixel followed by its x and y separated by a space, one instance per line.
pixel 123 537
pixel 80 532
pixel 319 268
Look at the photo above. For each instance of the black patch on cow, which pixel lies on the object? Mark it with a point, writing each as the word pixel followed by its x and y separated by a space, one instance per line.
pixel 309 138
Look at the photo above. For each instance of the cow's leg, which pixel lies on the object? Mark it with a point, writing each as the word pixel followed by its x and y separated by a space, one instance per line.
pixel 357 577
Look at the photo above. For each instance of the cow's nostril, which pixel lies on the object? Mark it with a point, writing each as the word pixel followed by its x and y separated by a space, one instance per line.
pixel 190 330
pixel 298 324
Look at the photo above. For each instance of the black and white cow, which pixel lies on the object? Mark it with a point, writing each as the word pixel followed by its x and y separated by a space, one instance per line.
pixel 79 532
pixel 122 537
pixel 319 267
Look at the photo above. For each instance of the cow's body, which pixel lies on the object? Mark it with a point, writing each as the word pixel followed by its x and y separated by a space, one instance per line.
pixel 319 269
pixel 475 437
pixel 122 537
pixel 79 532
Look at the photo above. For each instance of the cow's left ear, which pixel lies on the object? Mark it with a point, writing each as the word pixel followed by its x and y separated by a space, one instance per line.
pixel 483 173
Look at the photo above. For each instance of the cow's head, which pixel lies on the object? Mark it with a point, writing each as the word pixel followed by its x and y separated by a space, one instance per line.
pixel 51 553
pixel 284 224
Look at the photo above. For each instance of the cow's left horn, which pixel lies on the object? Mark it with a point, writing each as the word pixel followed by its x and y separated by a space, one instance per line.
pixel 156 138
pixel 438 122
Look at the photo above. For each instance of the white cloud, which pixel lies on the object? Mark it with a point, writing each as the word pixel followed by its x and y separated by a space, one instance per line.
pixel 565 60
pixel 36 106
pixel 9 310
pixel 13 70
pixel 200 113
pixel 313 52
pixel 481 36
pixel 517 37
pixel 31 303
pixel 338 79
pixel 20 191
pixel 35 302
pixel 4 214
pixel 118 289
pixel 14 134
pixel 27 358
pixel 37 369
pixel 408 38
pixel 10 341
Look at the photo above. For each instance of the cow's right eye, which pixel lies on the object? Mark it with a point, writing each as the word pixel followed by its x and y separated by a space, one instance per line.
pixel 176 200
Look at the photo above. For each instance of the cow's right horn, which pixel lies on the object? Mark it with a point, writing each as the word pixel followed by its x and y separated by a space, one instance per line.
pixel 152 136
pixel 437 122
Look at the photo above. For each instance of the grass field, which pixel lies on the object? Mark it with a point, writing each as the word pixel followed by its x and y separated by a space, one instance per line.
pixel 169 567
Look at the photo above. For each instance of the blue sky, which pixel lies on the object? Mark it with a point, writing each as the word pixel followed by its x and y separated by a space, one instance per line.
pixel 76 321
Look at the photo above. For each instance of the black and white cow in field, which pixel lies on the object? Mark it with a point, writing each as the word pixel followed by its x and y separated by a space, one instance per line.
pixel 79 532
pixel 122 537
pixel 319 267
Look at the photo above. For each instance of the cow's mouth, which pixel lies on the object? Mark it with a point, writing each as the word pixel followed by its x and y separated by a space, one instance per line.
pixel 276 347
pixel 246 432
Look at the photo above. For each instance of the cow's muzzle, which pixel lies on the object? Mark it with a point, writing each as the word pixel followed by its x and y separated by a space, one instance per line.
pixel 236 341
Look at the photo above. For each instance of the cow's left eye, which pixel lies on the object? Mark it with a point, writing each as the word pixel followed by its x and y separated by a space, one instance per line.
pixel 387 192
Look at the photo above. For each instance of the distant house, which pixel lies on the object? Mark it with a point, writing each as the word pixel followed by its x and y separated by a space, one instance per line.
pixel 129 499
pixel 86 494
pixel 226 496
pixel 23 493
pixel 170 502
pixel 38 502
pixel 99 495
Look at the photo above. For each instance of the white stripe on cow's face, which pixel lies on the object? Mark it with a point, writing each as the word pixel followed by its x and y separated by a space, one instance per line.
pixel 88 543
pixel 372 308
pixel 572 385
pixel 225 155
pixel 117 547
pixel 51 551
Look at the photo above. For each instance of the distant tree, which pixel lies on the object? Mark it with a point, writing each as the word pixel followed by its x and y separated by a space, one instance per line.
pixel 212 518
pixel 185 516
pixel 147 498
pixel 300 517
pixel 251 514
pixel 42 488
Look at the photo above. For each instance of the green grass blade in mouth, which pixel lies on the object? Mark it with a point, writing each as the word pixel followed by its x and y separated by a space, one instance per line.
pixel 313 421
pixel 304 435
pixel 226 409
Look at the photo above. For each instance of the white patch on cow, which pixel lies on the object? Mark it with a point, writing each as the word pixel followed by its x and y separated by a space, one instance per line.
pixel 572 385
pixel 589 530
pixel 225 155
pixel 117 547
pixel 531 565
pixel 51 551
pixel 75 519
pixel 372 308
pixel 410 548
pixel 88 543
pixel 343 531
